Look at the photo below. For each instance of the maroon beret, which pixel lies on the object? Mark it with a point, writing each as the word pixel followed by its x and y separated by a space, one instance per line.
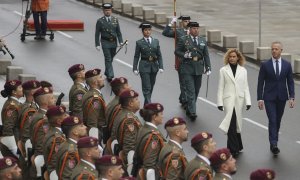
pixel 128 94
pixel 200 137
pixel 128 178
pixel 12 85
pixel 71 121
pixel 55 111
pixel 7 162
pixel 118 81
pixel 33 84
pixel 87 142
pixel 154 107
pixel 42 91
pixel 92 73
pixel 262 174
pixel 46 84
pixel 75 68
pixel 109 160
pixel 175 121
pixel 220 156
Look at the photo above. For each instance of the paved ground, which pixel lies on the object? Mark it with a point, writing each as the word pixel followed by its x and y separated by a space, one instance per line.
pixel 280 18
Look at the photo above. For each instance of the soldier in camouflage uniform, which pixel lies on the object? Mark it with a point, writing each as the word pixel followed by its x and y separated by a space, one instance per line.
pixel 93 104
pixel 9 115
pixel 77 90
pixel 55 137
pixel 109 28
pixel 199 167
pixel 223 164
pixel 172 160
pixel 109 167
pixel 67 155
pixel 148 56
pixel 193 51
pixel 89 152
pixel 150 141
pixel 180 32
pixel 126 124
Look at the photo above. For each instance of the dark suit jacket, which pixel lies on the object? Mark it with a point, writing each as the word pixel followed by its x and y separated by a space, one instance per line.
pixel 270 87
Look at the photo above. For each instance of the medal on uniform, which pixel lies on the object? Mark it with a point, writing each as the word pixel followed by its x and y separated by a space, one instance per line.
pixel 153 144
pixel 71 163
pixel 174 163
pixel 130 127
pixel 56 148
pixel 95 104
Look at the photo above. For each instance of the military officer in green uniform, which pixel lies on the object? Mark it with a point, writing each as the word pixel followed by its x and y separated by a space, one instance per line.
pixel 89 152
pixel 126 124
pixel 13 91
pixel 77 90
pixel 109 28
pixel 109 167
pixel 172 160
pixel 55 137
pixel 193 51
pixel 67 155
pixel 9 169
pixel 223 164
pixel 93 104
pixel 148 56
pixel 150 141
pixel 180 32
pixel 199 167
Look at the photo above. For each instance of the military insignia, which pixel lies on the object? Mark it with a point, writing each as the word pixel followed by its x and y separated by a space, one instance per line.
pixel 176 121
pixel 122 80
pixel 46 90
pixel 92 142
pixel 34 85
pixel 158 107
pixel 95 104
pixel 45 129
pixel 113 160
pixel 8 162
pixel 71 163
pixel 269 175
pixel 56 148
pixel 12 83
pixel 12 103
pixel 30 119
pixel 187 43
pixel 81 66
pixel 79 97
pixel 132 93
pixel 223 156
pixel 129 115
pixel 174 163
pixel 154 145
pixel 61 109
pixel 76 120
pixel 9 113
pixel 94 72
pixel 130 127
pixel 204 135
pixel 195 58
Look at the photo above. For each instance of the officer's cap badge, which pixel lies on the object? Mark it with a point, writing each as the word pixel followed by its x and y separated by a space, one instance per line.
pixel 13 83
pixel 8 162
pixel 176 121
pixel 113 160
pixel 46 90
pixel 269 175
pixel 132 93
pixel 204 135
pixel 223 156
pixel 76 120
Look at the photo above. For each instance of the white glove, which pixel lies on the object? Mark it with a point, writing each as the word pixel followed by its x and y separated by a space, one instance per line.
pixel 187 55
pixel 136 72
pixel 208 72
pixel 161 70
pixel 98 48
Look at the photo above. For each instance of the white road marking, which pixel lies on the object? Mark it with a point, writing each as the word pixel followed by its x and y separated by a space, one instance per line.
pixel 65 34
pixel 124 63
pixel 298 142
pixel 18 13
pixel 207 101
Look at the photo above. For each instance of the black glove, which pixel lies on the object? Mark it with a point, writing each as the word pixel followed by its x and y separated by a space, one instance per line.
pixel 220 108
pixel 248 107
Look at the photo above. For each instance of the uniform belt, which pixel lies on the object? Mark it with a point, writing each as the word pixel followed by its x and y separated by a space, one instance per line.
pixel 111 39
pixel 149 58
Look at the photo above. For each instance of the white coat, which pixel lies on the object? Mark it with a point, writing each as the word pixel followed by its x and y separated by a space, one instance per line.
pixel 232 93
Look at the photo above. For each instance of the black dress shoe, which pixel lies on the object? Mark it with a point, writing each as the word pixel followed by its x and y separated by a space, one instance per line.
pixel 235 154
pixel 274 149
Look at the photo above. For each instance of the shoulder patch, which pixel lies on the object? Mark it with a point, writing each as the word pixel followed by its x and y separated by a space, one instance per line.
pixel 79 97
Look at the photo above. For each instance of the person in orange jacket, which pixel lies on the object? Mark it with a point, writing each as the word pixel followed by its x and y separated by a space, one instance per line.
pixel 39 9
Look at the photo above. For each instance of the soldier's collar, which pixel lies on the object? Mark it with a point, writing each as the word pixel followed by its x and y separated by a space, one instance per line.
pixel 176 143
pixel 151 124
pixel 14 98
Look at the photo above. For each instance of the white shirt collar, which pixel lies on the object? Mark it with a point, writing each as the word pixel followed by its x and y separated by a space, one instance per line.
pixel 43 109
pixel 204 158
pixel 176 143
pixel 151 124
pixel 58 129
pixel 92 165
pixel 150 39
pixel 279 60
pixel 14 98
pixel 227 175
pixel 73 140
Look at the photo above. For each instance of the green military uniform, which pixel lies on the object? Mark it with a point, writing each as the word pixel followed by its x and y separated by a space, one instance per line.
pixel 198 168
pixel 180 32
pixel 93 106
pixel 172 161
pixel 125 130
pixel 110 108
pixel 38 128
pixel 75 99
pixel 150 62
pixel 150 142
pixel 221 176
pixel 193 68
pixel 67 159
pixel 53 139
pixel 84 171
pixel 109 29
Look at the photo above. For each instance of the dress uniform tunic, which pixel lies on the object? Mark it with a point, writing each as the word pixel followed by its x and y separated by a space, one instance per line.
pixel 9 115
pixel 84 171
pixel 221 176
pixel 75 98
pixel 198 168
pixel 149 58
pixel 109 29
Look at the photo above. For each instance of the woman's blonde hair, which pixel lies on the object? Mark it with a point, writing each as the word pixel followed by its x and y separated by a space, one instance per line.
pixel 241 59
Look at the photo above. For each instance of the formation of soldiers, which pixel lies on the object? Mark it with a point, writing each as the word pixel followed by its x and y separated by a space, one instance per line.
pixel 96 139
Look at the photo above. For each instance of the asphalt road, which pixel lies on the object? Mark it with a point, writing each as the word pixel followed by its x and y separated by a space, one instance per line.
pixel 49 60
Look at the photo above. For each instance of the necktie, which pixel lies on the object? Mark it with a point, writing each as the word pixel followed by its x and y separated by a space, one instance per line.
pixel 148 40
pixel 108 19
pixel 195 41
pixel 277 69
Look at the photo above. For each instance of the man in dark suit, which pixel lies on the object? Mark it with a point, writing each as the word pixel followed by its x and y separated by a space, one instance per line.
pixel 275 87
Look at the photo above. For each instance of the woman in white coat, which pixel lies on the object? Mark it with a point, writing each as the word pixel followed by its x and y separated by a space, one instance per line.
pixel 233 93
